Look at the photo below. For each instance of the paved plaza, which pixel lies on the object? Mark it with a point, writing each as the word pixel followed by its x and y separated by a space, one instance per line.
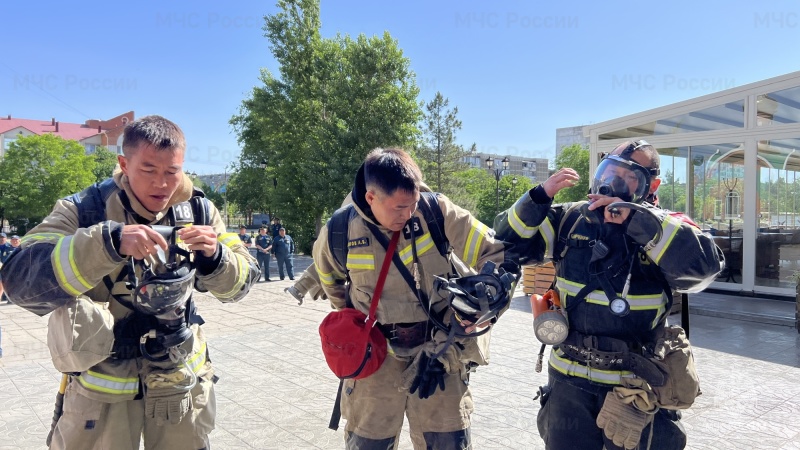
pixel 275 391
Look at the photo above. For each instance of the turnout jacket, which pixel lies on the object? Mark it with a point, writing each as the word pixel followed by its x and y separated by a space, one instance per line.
pixel 472 242
pixel 75 273
pixel 684 258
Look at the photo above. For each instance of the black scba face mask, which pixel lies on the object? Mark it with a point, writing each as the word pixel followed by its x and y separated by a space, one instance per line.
pixel 620 176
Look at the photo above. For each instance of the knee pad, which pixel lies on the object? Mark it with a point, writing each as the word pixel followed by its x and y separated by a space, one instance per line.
pixel 450 440
pixel 356 442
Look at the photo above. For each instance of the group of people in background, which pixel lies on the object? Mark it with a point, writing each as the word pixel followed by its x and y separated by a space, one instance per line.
pixel 278 244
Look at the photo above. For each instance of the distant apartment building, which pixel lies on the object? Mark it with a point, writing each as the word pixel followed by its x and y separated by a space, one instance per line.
pixel 570 135
pixel 90 134
pixel 536 169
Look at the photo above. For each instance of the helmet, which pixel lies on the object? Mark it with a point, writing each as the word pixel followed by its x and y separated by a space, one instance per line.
pixel 478 298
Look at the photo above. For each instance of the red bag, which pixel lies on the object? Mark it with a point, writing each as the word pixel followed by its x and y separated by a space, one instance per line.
pixel 352 345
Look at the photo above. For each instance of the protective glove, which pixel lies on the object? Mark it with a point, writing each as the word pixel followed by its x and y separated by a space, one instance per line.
pixel 637 392
pixel 621 422
pixel 431 374
pixel 167 405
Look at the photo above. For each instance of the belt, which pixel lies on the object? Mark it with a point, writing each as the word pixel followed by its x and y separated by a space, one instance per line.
pixel 405 335
pixel 584 349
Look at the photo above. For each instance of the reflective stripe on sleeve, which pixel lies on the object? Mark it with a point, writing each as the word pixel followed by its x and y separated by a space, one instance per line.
pixel 516 223
pixel 549 235
pixel 96 381
pixel 325 278
pixel 670 227
pixel 36 237
pixel 229 239
pixel 360 261
pixel 198 359
pixel 474 241
pixel 241 276
pixel 66 270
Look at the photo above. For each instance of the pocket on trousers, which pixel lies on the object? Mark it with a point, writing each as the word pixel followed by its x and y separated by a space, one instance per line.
pixel 81 407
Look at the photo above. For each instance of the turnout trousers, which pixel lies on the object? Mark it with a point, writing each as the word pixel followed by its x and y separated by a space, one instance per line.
pixel 91 424
pixel 567 418
pixel 375 408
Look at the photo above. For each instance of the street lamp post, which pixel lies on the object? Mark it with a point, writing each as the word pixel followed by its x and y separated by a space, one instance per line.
pixel 225 199
pixel 498 173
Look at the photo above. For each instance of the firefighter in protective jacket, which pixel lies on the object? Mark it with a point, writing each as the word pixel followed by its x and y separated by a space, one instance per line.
pixel 131 373
pixel 437 402
pixel 615 270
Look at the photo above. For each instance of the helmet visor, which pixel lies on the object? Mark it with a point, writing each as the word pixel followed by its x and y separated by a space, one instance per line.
pixel 618 177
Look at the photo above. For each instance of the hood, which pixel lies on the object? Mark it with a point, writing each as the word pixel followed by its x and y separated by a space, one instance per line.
pixel 182 194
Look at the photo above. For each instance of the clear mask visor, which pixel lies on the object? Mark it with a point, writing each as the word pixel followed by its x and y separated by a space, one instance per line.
pixel 617 177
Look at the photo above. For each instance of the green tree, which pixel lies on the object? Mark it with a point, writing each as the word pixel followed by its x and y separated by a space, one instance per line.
pixel 471 183
pixel 333 101
pixel 575 156
pixel 490 196
pixel 104 163
pixel 439 156
pixel 38 170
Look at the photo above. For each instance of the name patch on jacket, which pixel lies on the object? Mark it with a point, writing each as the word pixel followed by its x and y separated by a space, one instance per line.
pixel 358 242
pixel 417 228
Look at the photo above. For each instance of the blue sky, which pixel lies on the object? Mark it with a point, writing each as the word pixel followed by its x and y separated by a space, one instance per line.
pixel 516 70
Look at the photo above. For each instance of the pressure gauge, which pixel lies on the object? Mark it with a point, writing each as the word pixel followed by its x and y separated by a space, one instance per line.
pixel 619 307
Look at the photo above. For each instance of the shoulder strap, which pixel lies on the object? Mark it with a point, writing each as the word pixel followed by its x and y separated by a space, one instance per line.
pixel 569 221
pixel 337 234
pixel 91 202
pixel 429 205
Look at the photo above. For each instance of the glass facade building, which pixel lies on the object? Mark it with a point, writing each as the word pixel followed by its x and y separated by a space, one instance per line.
pixel 730 160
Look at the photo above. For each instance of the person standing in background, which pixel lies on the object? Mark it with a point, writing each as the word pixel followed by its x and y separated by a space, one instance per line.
pixel 263 246
pixel 283 249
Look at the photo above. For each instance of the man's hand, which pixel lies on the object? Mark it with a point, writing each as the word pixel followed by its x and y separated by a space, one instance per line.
pixel 564 178
pixel 140 241
pixel 619 215
pixel 200 238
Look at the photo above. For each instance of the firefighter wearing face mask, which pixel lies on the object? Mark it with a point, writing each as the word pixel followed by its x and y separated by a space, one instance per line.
pixel 123 330
pixel 615 269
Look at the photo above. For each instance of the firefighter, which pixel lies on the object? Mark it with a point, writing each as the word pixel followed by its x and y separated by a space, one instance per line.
pixel 123 327
pixel 615 269
pixel 432 391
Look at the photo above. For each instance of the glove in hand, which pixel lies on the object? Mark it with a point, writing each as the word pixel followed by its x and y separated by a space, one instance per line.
pixel 622 423
pixel 127 332
pixel 431 374
pixel 167 405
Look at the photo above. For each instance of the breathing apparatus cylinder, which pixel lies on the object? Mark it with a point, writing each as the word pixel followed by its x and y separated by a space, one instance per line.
pixel 549 323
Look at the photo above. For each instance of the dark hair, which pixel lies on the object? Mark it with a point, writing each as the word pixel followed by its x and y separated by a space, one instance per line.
pixel 157 131
pixel 391 169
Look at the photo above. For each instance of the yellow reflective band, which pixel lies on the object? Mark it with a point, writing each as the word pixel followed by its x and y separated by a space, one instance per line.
pixel 242 268
pixel 517 224
pixel 670 227
pixel 423 244
pixel 561 363
pixel 325 278
pixel 65 268
pixel 360 261
pixel 41 237
pixel 229 239
pixel 641 302
pixel 198 359
pixel 474 241
pixel 549 235
pixel 96 381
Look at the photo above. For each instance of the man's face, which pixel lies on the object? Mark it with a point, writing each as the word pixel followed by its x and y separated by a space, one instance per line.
pixel 3 240
pixel 281 233
pixel 242 231
pixel 262 231
pixel 393 211
pixel 154 175
pixel 15 242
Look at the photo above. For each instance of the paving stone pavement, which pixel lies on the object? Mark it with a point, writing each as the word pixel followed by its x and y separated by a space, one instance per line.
pixel 275 391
